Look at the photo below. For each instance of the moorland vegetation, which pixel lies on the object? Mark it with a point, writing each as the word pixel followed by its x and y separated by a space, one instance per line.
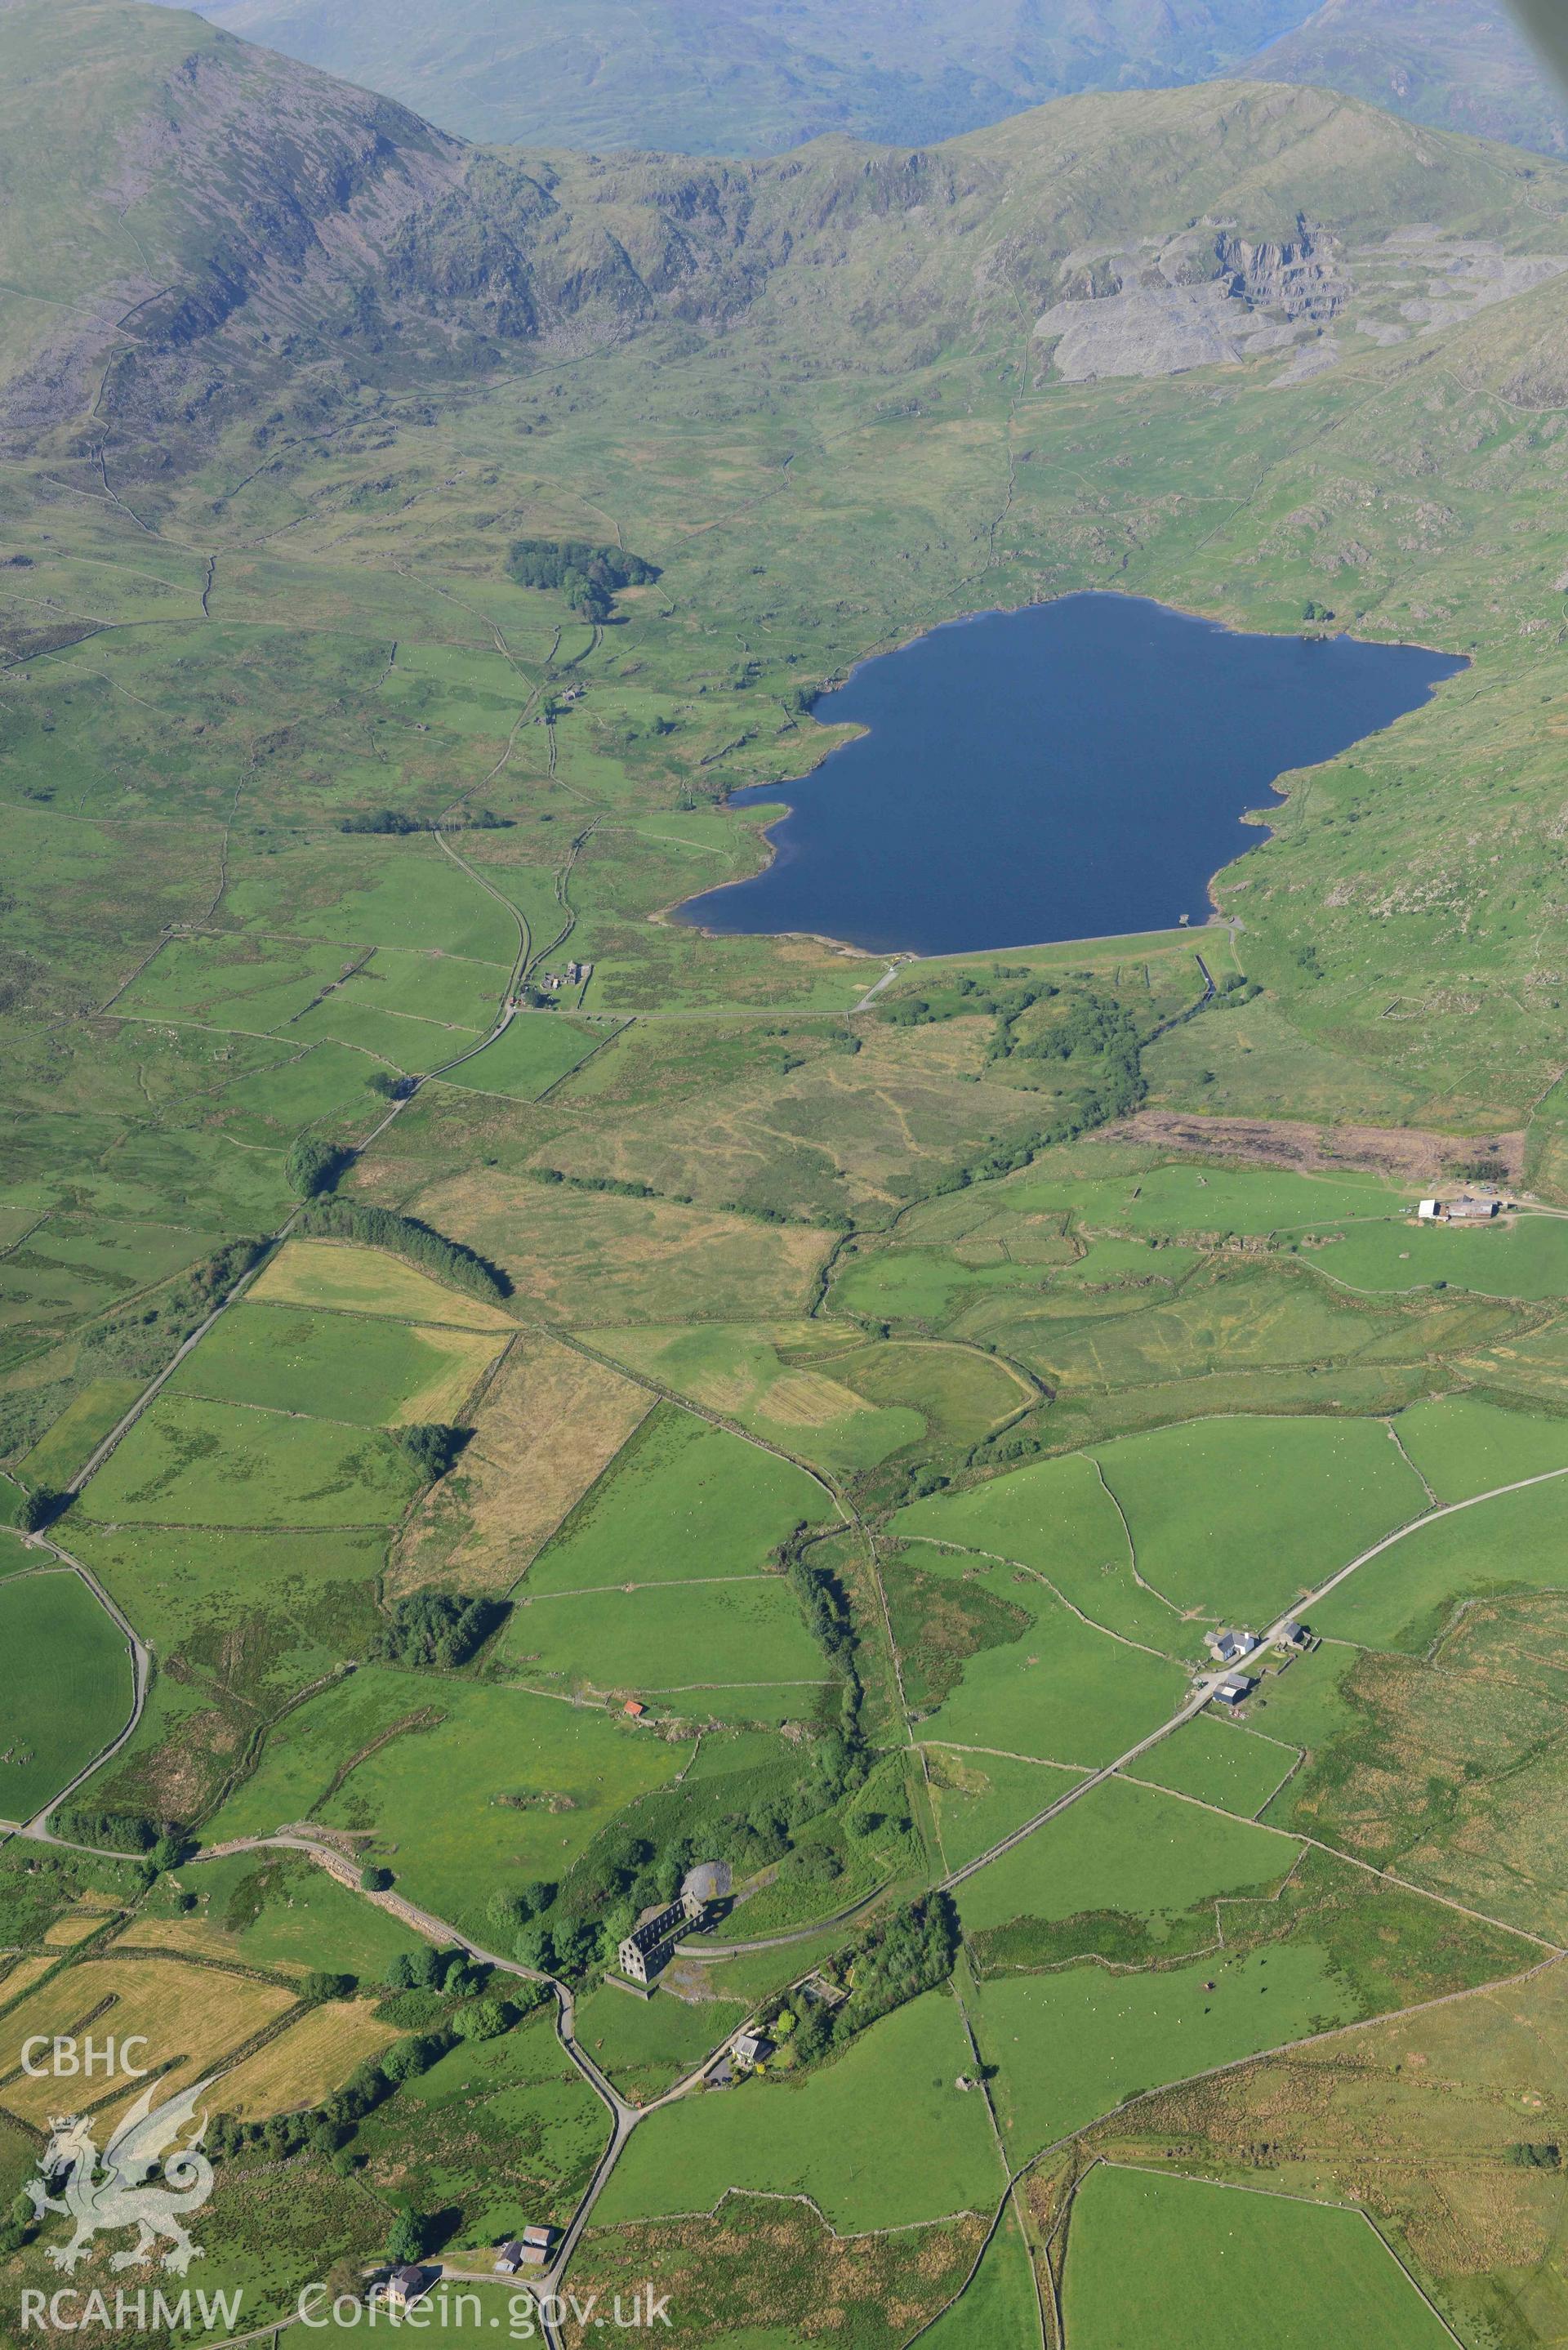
pixel 774 1406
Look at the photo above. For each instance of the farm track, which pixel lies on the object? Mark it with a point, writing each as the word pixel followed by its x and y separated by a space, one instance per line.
pixel 625 2118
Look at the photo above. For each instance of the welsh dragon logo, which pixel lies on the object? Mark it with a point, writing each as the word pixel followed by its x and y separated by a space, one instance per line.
pixel 114 2189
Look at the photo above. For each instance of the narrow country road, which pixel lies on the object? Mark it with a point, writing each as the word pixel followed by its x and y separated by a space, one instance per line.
pixel 624 2115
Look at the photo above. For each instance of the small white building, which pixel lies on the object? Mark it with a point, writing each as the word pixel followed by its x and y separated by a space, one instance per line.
pixel 750 2048
pixel 1428 1212
pixel 1226 1646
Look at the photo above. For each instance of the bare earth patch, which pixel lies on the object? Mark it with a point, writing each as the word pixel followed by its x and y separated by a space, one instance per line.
pixel 1404 1151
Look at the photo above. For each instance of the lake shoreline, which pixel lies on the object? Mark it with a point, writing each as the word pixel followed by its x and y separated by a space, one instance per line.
pixel 1216 702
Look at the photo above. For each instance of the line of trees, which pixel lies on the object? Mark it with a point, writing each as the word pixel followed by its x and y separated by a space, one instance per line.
pixel 452 1262
pixel 894 1960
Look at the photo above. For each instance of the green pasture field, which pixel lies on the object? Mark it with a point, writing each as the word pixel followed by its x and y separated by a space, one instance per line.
pixel 682 1500
pixel 1211 2263
pixel 1221 1762
pixel 878 2138
pixel 400 1040
pixel 961 1394
pixel 480 1788
pixel 259 1613
pixel 768 1379
pixel 123 1256
pixel 1231 1316
pixel 1523 1256
pixel 319 1082
pixel 87 1419
pixel 693 1648
pixel 278 1909
pixel 1184 1197
pixel 647 2046
pixel 190 1462
pixel 923 1285
pixel 1305 1706
pixel 535 1051
pixel 411 894
pixel 1464 1446
pixel 1070 2045
pixel 507 2130
pixel 1402 1598
pixel 229 981
pixel 1180 1197
pixel 191 1175
pixel 1237 1517
pixel 1129 1849
pixel 305 1752
pixel 1000 2308
pixel 1062 1693
pixel 430 986
pixel 68 1269
pixel 1125 1264
pixel 375 1374
pixel 978 1799
pixel 1056 1516
pixel 70 1686
pixel 1132 1850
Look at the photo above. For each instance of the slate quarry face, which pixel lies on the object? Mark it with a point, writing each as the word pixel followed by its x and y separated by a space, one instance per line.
pixel 1213 296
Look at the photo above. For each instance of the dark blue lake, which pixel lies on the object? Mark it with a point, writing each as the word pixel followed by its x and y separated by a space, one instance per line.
pixel 1074 770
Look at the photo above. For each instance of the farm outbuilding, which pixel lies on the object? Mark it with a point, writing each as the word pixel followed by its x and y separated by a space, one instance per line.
pixel 1226 1645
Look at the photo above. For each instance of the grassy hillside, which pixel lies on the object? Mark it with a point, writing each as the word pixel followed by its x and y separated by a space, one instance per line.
pixel 754 1406
pixel 1460 65
pixel 195 227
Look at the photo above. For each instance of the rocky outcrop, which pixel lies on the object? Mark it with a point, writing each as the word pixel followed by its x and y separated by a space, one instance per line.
pixel 1205 298
pixel 1305 278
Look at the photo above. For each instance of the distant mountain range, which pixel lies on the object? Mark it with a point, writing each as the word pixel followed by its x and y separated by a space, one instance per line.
pixel 1459 64
pixel 751 77
pixel 757 77
pixel 308 242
